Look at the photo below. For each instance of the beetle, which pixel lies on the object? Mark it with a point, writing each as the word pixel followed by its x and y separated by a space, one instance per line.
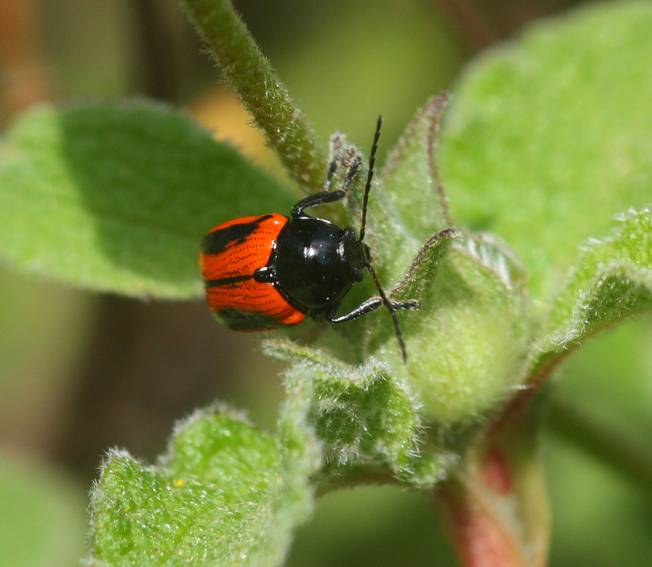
pixel 267 271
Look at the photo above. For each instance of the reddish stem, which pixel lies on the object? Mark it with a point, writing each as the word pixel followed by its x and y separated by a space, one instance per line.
pixel 479 538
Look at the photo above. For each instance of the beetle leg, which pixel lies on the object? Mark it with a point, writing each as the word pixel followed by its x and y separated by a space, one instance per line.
pixel 350 176
pixel 316 199
pixel 328 196
pixel 369 305
pixel 332 167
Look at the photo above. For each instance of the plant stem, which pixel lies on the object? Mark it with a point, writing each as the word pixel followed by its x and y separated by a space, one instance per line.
pixel 495 502
pixel 480 539
pixel 251 75
pixel 621 453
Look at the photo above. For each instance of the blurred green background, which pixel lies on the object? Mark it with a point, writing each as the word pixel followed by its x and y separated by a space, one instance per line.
pixel 80 373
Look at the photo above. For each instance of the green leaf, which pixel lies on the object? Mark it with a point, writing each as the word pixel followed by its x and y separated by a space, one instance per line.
pixel 410 175
pixel 226 494
pixel 117 198
pixel 42 515
pixel 408 204
pixel 368 422
pixel 549 137
pixel 467 344
pixel 612 281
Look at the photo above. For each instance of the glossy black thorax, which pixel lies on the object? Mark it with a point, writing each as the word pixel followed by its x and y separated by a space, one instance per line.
pixel 315 263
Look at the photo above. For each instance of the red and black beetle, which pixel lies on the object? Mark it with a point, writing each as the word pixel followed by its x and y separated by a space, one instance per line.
pixel 271 271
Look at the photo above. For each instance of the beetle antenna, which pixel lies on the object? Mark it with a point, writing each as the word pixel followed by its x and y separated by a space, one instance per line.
pixel 370 176
pixel 392 311
pixel 365 202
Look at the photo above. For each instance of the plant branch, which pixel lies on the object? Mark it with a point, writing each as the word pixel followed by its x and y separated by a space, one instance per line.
pixel 252 76
pixel 621 453
pixel 495 503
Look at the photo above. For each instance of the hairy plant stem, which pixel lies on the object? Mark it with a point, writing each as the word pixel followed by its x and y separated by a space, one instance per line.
pixel 252 76
pixel 495 503
pixel 479 538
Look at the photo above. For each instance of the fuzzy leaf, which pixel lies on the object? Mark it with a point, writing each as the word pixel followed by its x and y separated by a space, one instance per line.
pixel 227 494
pixel 467 342
pixel 408 204
pixel 612 281
pixel 117 198
pixel 410 176
pixel 367 420
pixel 549 137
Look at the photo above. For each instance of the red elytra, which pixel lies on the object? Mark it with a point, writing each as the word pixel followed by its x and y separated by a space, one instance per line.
pixel 231 252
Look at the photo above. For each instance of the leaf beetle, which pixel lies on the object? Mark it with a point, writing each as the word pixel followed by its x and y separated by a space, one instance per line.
pixel 267 271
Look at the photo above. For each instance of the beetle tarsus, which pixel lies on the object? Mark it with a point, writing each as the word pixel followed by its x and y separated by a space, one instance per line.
pixel 411 304
pixel 332 168
pixel 351 174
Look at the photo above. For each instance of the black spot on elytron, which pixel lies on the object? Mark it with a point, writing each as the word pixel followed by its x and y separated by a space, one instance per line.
pixel 225 281
pixel 216 242
pixel 245 320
